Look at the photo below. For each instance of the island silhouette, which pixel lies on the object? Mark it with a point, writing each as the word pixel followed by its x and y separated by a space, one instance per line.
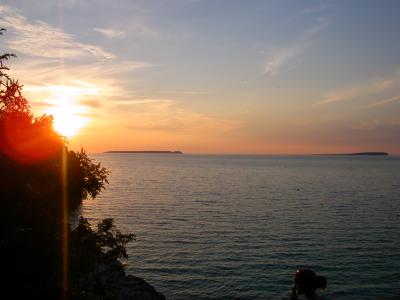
pixel 357 153
pixel 147 152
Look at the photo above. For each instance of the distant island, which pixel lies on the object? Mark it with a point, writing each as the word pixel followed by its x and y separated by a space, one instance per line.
pixel 147 152
pixel 358 153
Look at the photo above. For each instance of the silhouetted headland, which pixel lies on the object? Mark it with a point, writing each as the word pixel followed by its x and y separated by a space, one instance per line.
pixel 42 182
pixel 147 152
pixel 357 153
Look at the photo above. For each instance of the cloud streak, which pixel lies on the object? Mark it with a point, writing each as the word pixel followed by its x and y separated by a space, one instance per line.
pixel 110 33
pixel 371 87
pixel 39 39
pixel 292 54
pixel 385 101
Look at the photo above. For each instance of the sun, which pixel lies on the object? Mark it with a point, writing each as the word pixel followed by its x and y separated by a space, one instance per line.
pixel 69 116
pixel 66 122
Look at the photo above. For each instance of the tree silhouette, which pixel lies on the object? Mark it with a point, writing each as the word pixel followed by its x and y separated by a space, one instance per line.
pixel 33 162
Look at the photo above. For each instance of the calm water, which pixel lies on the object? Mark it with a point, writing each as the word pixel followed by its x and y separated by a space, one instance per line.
pixel 236 227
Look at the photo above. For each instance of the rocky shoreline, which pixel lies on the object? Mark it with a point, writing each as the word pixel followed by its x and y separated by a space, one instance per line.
pixel 110 281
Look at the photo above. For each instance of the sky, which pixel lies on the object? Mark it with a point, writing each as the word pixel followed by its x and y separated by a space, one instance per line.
pixel 246 77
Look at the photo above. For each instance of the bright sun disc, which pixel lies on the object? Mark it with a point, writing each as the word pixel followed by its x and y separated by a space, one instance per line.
pixel 69 116
pixel 67 123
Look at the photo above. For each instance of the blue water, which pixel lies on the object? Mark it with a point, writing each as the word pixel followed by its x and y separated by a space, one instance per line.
pixel 237 227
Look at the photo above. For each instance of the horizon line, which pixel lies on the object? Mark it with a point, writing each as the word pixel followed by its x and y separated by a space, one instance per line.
pixel 242 154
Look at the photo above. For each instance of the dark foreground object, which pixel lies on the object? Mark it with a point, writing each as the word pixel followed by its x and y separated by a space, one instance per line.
pixel 148 152
pixel 111 282
pixel 358 153
pixel 306 282
pixel 41 183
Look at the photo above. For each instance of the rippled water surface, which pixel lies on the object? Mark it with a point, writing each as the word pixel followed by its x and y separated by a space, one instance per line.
pixel 236 227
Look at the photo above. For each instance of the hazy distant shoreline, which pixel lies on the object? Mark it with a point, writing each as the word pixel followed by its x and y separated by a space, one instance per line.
pixel 358 153
pixel 148 152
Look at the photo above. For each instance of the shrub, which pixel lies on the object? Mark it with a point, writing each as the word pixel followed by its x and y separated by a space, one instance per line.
pixel 32 191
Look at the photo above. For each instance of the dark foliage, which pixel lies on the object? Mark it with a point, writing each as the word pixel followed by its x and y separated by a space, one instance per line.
pixel 91 248
pixel 92 176
pixel 38 173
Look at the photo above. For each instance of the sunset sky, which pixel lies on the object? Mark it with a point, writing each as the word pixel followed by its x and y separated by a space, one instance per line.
pixel 273 77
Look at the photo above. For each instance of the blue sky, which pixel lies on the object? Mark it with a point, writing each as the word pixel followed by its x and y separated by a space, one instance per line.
pixel 214 76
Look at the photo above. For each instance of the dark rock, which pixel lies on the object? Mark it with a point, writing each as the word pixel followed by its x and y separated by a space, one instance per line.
pixel 110 281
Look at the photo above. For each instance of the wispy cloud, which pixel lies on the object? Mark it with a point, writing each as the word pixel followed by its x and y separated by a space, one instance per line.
pixel 153 103
pixel 77 92
pixel 385 101
pixel 279 60
pixel 371 87
pixel 110 33
pixel 134 28
pixel 292 54
pixel 37 38
pixel 186 93
pixel 106 74
pixel 171 116
pixel 58 60
pixel 315 9
pixel 366 124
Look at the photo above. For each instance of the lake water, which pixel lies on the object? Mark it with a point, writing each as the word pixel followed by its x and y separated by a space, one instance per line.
pixel 237 227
